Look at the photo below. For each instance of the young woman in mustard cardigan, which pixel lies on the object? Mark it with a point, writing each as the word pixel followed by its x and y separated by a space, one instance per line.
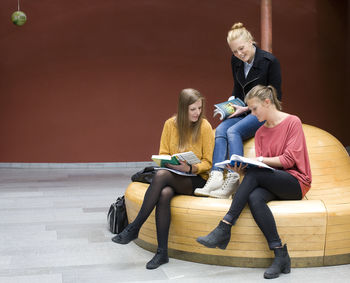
pixel 186 131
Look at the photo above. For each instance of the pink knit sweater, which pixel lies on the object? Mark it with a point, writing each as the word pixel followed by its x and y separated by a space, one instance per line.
pixel 287 141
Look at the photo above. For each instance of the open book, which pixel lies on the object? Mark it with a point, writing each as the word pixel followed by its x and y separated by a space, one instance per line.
pixel 227 108
pixel 174 159
pixel 244 160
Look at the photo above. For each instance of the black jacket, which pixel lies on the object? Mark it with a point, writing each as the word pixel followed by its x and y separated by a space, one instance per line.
pixel 265 71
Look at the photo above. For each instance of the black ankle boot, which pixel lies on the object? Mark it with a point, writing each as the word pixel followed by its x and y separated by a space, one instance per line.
pixel 219 237
pixel 159 258
pixel 129 234
pixel 281 263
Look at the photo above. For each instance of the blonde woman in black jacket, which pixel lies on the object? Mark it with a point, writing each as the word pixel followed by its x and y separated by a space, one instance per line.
pixel 251 66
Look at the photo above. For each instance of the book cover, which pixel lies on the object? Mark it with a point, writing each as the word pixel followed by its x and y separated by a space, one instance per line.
pixel 227 108
pixel 161 160
pixel 175 159
pixel 242 160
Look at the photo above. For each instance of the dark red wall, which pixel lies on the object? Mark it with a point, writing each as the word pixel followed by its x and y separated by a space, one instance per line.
pixel 311 40
pixel 93 81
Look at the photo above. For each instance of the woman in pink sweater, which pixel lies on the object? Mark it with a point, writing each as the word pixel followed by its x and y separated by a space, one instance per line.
pixel 279 143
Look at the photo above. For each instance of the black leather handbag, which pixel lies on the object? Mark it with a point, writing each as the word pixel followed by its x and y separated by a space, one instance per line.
pixel 145 175
pixel 117 218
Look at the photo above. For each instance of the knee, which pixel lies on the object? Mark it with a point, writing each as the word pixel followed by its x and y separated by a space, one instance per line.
pixel 166 194
pixel 161 175
pixel 232 132
pixel 255 199
pixel 221 131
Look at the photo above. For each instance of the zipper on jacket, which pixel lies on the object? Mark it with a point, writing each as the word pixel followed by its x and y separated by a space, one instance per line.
pixel 243 86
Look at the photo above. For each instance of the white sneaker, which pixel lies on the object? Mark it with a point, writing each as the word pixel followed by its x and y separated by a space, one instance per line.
pixel 229 187
pixel 215 181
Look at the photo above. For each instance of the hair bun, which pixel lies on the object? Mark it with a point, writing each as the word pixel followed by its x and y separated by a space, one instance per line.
pixel 237 26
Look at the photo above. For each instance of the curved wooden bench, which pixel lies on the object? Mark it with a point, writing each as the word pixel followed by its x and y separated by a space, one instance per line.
pixel 317 228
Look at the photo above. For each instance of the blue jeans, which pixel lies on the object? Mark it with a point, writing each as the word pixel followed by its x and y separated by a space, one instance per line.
pixel 230 134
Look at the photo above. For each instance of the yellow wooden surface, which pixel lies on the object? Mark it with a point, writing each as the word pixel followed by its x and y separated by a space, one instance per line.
pixel 316 229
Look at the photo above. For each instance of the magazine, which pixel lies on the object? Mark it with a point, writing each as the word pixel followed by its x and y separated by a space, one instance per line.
pixel 227 108
pixel 242 160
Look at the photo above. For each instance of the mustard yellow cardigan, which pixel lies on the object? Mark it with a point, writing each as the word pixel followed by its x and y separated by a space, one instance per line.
pixel 203 148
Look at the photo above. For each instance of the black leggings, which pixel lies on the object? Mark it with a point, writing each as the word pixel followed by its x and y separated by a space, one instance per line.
pixel 164 186
pixel 258 187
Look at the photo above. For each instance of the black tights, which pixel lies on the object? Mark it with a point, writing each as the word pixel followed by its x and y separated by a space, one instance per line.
pixel 258 187
pixel 164 186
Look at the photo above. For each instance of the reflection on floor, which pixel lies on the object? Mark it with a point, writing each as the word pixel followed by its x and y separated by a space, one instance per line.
pixel 53 230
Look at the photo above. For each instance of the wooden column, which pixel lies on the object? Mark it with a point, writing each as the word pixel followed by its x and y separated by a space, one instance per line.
pixel 266 25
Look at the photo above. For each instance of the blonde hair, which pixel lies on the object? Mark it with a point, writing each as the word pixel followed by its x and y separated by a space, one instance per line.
pixel 264 92
pixel 188 130
pixel 239 31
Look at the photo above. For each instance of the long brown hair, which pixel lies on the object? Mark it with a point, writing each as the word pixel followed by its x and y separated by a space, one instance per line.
pixel 188 131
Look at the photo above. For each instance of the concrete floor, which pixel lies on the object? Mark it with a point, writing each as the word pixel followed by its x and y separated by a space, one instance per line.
pixel 53 229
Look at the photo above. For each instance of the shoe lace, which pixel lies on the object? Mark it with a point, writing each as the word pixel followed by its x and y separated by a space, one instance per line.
pixel 211 176
pixel 227 181
pixel 225 184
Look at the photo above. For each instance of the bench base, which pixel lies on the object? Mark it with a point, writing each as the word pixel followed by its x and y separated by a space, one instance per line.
pixel 301 224
pixel 244 261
